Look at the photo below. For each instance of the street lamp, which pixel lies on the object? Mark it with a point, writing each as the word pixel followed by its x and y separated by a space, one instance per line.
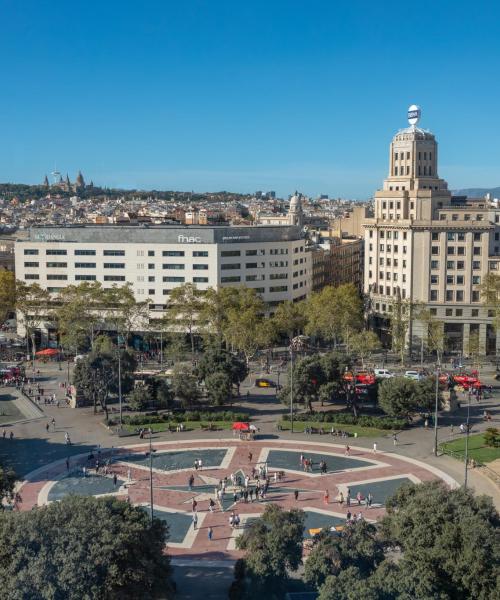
pixel 467 439
pixel 120 385
pixel 296 344
pixel 436 412
pixel 151 509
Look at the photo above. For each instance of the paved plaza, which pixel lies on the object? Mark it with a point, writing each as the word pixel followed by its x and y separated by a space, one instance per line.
pixel 124 472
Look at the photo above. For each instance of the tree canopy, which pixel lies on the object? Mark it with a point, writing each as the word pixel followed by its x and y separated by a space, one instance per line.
pixel 83 547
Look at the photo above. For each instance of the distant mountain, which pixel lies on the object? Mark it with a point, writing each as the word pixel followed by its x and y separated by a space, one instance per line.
pixel 478 192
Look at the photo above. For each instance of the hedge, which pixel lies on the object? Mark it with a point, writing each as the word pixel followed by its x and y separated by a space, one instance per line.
pixel 349 419
pixel 183 417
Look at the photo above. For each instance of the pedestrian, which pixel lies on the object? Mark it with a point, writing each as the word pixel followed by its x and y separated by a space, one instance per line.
pixel 348 516
pixel 348 497
pixel 426 423
pixel 195 520
pixel 296 494
pixel 359 497
pixel 451 429
pixel 211 505
pixel 191 481
pixel 301 460
pixel 67 464
pixel 250 456
pixel 369 500
pixel 47 426
pixel 115 479
pixel 251 494
pixel 196 464
pixel 194 504
pixel 326 497
pixel 4 433
pixel 11 435
pixel 341 499
pixel 347 450
pixel 84 471
pixel 200 464
pixel 394 439
pixel 374 447
pixel 210 534
pixel 235 497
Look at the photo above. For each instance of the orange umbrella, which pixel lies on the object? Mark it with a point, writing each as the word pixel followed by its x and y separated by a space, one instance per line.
pixel 241 426
pixel 48 352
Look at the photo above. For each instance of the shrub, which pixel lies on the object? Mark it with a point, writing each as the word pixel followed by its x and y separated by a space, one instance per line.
pixel 492 437
pixel 349 419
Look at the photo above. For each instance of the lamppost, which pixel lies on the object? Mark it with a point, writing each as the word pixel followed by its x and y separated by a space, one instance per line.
pixel 151 509
pixel 467 439
pixel 436 412
pixel 120 386
pixel 296 344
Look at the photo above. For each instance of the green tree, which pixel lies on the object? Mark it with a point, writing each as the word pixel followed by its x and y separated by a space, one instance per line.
pixel 185 386
pixel 273 546
pixel 214 359
pixel 32 305
pixel 349 308
pixel 397 396
pixel 289 318
pixel 213 312
pixel 122 311
pixel 83 547
pixel 364 344
pixel 492 437
pixel 139 398
pixel 425 398
pixel 308 377
pixel 435 333
pixel 219 388
pixel 400 321
pixel 357 546
pixel 449 534
pixel 490 294
pixel 183 310
pixel 7 485
pixel 7 294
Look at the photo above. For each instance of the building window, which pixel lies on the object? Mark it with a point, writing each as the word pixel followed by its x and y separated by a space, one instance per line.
pixel 230 266
pixel 200 279
pixel 151 252
pixel 230 253
pixel 151 265
pixel 114 265
pixel 178 266
pixel 448 312
pixel 31 264
pixel 451 250
pixel 114 277
pixel 151 278
pixel 461 250
pixel 114 253
pixel 458 312
pixel 434 279
pixel 435 236
pixel 474 312
pixel 56 265
pixel 173 279
pixel 450 279
pixel 433 296
pixel 450 236
pixel 31 251
pixel 476 280
pixel 434 250
pixel 460 296
pixel 173 253
pixel 56 277
pixel 151 292
pixel 55 252
pixel 477 250
pixel 476 264
pixel 475 296
pixel 433 311
pixel 32 276
pixel 199 253
pixel 232 279
pixel 449 295
pixel 434 264
pixel 460 265
pixel 85 277
pixel 80 265
pixel 200 267
pixel 84 252
pixel 454 217
pixel 279 288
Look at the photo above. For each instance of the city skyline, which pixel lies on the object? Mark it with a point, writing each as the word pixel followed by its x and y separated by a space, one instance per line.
pixel 277 97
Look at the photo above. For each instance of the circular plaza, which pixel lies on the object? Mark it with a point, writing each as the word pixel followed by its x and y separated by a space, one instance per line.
pixel 224 478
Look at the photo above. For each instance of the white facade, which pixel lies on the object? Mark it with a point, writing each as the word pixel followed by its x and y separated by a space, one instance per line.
pixel 156 259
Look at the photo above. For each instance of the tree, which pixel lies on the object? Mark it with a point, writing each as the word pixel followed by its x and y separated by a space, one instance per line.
pixel 425 397
pixel 96 375
pixel 473 346
pixel 492 437
pixel 139 398
pixel 7 485
pixel 84 547
pixel 214 359
pixel 397 396
pixel 273 547
pixel 7 294
pixel 78 314
pixel 308 377
pixel 490 293
pixel 435 332
pixel 364 344
pixel 349 307
pixel 449 534
pixel 400 320
pixel 185 386
pixel 32 305
pixel 183 310
pixel 219 388
pixel 289 318
pixel 357 546
pixel 214 310
pixel 123 312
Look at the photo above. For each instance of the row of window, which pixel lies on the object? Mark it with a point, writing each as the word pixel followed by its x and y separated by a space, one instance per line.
pixel 389 262
pixel 460 250
pixel 455 280
pixel 388 248
pixel 454 296
pixel 389 276
pixel 456 217
pixel 458 236
pixel 460 265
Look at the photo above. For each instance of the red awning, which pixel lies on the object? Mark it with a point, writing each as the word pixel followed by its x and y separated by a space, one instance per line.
pixel 241 426
pixel 48 352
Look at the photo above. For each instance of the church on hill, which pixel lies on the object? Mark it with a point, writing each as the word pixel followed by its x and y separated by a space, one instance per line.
pixel 66 185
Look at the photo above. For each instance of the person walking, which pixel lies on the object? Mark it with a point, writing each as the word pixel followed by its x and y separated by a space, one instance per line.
pixel 326 497
pixel 4 433
pixel 369 500
pixel 374 447
pixel 200 464
pixel 195 520
pixel 394 439
pixel 115 479
pixel 347 450
pixel 190 482
pixel 348 497
pixel 67 464
pixel 250 456
pixel 11 435
pixel 211 505
pixel 47 427
pixel 210 534
pixel 341 499
pixel 296 495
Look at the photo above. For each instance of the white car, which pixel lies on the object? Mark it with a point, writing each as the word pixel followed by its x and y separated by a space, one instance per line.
pixel 383 373
pixel 415 375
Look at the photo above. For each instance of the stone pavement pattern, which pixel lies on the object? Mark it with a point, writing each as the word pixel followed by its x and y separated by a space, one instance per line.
pixel 363 471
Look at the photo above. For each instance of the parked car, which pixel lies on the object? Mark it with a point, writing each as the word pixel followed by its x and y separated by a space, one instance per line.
pixel 415 375
pixel 383 373
pixel 264 383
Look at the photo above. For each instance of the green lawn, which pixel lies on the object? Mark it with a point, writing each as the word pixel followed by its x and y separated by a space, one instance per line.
pixel 361 431
pixel 477 450
pixel 188 425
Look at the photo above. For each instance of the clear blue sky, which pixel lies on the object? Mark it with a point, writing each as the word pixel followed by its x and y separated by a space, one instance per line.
pixel 238 95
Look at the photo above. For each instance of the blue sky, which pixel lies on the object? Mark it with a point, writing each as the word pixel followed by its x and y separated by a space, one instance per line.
pixel 210 95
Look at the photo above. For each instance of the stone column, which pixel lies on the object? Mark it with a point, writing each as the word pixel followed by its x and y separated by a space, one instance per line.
pixel 482 339
pixel 465 346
